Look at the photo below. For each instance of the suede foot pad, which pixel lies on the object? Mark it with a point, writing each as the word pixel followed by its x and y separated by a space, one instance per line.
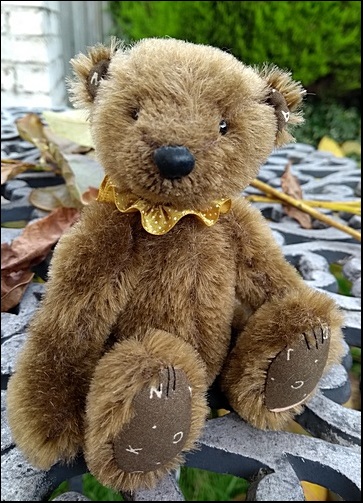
pixel 296 370
pixel 161 424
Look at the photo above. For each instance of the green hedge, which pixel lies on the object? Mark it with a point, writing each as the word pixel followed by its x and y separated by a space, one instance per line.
pixel 329 119
pixel 318 41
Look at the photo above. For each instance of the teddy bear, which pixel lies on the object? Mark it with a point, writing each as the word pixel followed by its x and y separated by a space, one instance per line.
pixel 170 279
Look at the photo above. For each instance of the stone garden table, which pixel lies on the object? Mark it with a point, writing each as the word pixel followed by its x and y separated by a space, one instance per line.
pixel 275 461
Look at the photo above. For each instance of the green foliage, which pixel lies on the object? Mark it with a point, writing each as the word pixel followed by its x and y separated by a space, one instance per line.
pixel 91 488
pixel 62 488
pixel 200 485
pixel 328 119
pixel 357 361
pixel 318 41
pixel 97 492
pixel 196 485
pixel 344 285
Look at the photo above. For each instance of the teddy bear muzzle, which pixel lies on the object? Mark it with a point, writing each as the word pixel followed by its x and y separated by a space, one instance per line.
pixel 174 161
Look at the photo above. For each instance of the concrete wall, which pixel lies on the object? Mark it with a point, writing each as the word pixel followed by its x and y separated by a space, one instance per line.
pixel 38 39
pixel 32 67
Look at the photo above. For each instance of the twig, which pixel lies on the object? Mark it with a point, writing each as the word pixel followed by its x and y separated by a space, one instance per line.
pixel 353 207
pixel 264 187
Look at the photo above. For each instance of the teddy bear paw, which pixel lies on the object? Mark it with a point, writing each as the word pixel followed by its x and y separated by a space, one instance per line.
pixel 295 372
pixel 160 426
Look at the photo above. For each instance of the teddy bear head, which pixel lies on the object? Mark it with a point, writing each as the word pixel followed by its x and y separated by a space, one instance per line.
pixel 179 123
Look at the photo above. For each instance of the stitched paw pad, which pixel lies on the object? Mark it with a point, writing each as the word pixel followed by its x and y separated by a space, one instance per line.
pixel 296 370
pixel 161 424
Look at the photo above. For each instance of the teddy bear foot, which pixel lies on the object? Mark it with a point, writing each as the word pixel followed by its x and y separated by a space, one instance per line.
pixel 160 426
pixel 146 407
pixel 295 372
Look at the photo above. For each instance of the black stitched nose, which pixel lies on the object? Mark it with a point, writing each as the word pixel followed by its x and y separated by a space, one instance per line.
pixel 173 161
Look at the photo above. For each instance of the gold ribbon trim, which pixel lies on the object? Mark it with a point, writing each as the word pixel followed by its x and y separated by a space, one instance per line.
pixel 158 219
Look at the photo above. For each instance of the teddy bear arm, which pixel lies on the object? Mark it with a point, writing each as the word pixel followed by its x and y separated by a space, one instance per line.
pixel 266 280
pixel 262 270
pixel 46 395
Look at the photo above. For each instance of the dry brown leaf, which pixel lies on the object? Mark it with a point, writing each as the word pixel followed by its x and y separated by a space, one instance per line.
pixel 49 198
pixel 13 286
pixel 77 164
pixel 11 167
pixel 300 203
pixel 89 195
pixel 29 249
pixel 290 186
pixel 31 129
pixel 355 399
pixel 37 239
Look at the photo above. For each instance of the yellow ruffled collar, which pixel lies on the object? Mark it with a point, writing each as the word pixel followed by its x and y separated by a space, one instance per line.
pixel 158 219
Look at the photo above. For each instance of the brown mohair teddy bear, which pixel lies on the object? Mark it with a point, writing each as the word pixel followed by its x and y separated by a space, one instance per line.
pixel 137 318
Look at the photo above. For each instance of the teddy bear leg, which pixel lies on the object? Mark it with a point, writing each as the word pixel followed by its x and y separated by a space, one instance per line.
pixel 280 357
pixel 145 407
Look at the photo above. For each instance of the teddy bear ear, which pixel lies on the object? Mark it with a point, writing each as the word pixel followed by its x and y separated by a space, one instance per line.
pixel 89 71
pixel 285 95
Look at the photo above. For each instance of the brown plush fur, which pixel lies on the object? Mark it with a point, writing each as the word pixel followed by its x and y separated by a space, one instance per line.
pixel 122 304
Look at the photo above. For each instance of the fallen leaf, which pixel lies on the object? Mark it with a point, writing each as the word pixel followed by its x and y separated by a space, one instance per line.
pixel 28 250
pixel 351 147
pixel 290 186
pixel 71 124
pixel 327 144
pixel 89 195
pixel 222 412
pixel 314 492
pixel 13 286
pixel 11 168
pixel 49 198
pixel 355 399
pixel 37 238
pixel 59 143
pixel 294 427
pixel 80 172
pixel 75 162
pixel 31 129
pixel 80 149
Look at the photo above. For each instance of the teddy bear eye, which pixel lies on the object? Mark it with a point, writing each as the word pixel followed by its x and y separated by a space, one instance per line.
pixel 223 127
pixel 135 114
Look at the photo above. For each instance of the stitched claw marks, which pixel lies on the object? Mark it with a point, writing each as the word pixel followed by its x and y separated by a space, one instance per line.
pixel 316 336
pixel 161 424
pixel 297 369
